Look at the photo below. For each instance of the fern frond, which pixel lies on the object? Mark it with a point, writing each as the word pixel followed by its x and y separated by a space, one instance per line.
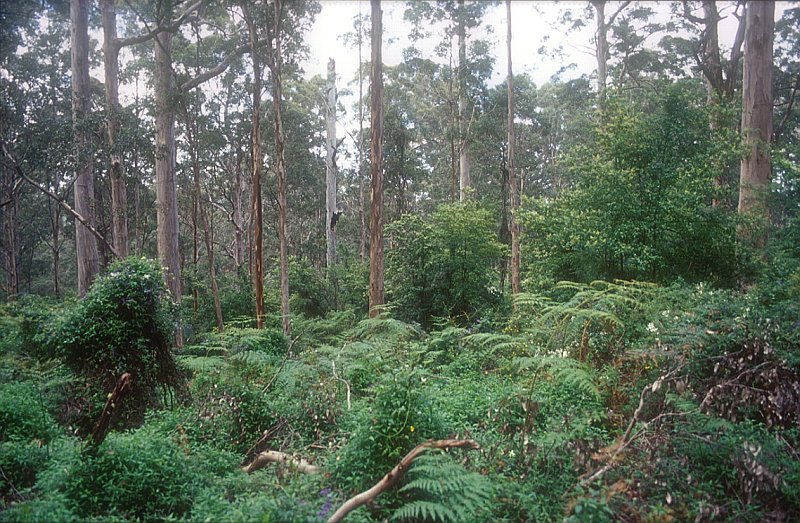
pixel 421 510
pixel 199 364
pixel 443 490
pixel 568 371
pixel 251 357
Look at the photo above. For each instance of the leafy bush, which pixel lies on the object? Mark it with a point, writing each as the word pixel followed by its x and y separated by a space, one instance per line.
pixel 123 325
pixel 398 418
pixel 139 474
pixel 23 415
pixel 26 429
pixel 640 206
pixel 444 266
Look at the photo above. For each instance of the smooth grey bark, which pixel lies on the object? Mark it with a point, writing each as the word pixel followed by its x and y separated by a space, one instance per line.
pixel 85 243
pixel 516 286
pixel 330 167
pixel 464 181
pixel 601 41
pixel 376 298
pixel 119 203
pixel 256 158
pixel 274 60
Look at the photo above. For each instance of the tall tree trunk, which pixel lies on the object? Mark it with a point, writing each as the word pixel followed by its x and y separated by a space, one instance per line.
pixel 55 236
pixel 256 158
pixel 376 167
pixel 601 47
pixel 275 59
pixel 362 245
pixel 212 269
pixel 464 181
pixel 757 99
pixel 85 243
pixel 330 168
pixel 601 42
pixel 167 229
pixel 10 229
pixel 119 204
pixel 516 286
pixel 238 214
pixel 710 51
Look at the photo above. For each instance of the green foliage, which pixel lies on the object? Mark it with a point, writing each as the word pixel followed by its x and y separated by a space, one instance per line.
pixel 444 266
pixel 23 414
pixel 587 321
pixel 140 474
pixel 640 207
pixel 26 430
pixel 123 325
pixel 443 490
pixel 400 416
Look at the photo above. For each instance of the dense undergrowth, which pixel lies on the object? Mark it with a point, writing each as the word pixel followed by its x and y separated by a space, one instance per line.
pixel 591 402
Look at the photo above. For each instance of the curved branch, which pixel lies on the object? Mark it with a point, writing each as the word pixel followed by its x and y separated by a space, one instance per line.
pixel 397 472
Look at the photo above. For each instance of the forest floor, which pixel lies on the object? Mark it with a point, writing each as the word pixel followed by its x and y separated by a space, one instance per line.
pixel 609 401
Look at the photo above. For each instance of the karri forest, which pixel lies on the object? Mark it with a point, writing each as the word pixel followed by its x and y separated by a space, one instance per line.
pixel 435 287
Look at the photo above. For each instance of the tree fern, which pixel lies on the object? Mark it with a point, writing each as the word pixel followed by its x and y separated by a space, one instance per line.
pixel 568 371
pixel 444 491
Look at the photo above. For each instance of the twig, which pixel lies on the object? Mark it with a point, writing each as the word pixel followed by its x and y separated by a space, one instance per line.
pixel 336 377
pixel 627 438
pixel 283 363
pixel 396 473
pixel 710 396
pixel 75 214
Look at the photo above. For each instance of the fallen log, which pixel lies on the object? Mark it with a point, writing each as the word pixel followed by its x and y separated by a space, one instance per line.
pixel 273 456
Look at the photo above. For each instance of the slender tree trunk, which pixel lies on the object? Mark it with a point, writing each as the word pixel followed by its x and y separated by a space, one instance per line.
pixel 376 161
pixel 55 230
pixel 280 164
pixel 10 228
pixel 464 181
pixel 238 214
pixel 516 286
pixel 601 49
pixel 257 167
pixel 711 56
pixel 362 246
pixel 85 243
pixel 212 269
pixel 330 168
pixel 119 204
pixel 757 99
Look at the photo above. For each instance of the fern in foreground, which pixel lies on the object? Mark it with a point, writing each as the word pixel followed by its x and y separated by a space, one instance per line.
pixel 444 491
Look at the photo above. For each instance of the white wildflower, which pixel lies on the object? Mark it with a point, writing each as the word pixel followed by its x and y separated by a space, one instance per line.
pixel 652 328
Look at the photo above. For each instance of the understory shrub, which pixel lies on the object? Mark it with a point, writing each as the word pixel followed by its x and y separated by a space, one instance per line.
pixel 400 416
pixel 135 475
pixel 444 267
pixel 133 336
pixel 26 429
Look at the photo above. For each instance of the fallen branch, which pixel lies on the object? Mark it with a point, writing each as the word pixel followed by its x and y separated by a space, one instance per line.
pixel 104 422
pixel 273 456
pixel 628 436
pixel 396 473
